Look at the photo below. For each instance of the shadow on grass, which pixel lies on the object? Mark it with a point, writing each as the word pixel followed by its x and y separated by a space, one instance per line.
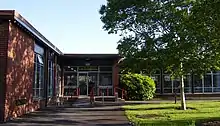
pixel 197 122
pixel 208 122
pixel 159 108
pixel 167 123
pixel 193 122
pixel 147 116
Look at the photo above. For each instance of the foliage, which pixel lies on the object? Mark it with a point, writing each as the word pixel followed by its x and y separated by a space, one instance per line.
pixel 138 87
pixel 167 114
pixel 181 36
pixel 164 34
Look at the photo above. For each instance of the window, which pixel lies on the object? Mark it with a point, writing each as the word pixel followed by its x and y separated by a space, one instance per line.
pixel 105 79
pixel 58 80
pixel 70 80
pixel 106 69
pixel 105 84
pixel 198 88
pixel 50 78
pixel 167 84
pixel 38 49
pixel 40 60
pixel 187 84
pixel 156 79
pixel 38 86
pixel 70 84
pixel 208 83
pixel 216 82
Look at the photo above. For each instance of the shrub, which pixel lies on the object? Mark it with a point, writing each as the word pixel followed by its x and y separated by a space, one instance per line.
pixel 138 87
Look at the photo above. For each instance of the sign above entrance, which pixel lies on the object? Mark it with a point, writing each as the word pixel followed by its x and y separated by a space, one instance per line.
pixel 88 68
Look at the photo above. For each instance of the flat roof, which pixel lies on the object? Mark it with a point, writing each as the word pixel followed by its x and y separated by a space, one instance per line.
pixel 13 15
pixel 91 55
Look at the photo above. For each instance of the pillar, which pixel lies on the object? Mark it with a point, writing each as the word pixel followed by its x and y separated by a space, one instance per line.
pixel 55 76
pixel 115 76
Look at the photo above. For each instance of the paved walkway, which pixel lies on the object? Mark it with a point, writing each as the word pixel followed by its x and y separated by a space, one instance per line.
pixel 83 116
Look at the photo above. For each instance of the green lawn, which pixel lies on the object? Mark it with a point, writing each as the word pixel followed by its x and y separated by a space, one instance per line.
pixel 168 114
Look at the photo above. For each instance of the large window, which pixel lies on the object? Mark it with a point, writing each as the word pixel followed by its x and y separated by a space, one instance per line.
pixel 70 80
pixel 50 78
pixel 70 84
pixel 198 86
pixel 156 79
pixel 105 79
pixel 216 81
pixel 58 80
pixel 167 84
pixel 38 85
pixel 208 83
pixel 176 85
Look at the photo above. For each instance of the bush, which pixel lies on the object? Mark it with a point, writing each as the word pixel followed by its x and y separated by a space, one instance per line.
pixel 138 87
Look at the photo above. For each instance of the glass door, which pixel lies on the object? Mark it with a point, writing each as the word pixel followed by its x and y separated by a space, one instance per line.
pixel 93 77
pixel 83 83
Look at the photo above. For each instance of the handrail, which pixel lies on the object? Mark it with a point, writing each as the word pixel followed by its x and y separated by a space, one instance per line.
pixel 122 91
pixel 100 91
pixel 119 88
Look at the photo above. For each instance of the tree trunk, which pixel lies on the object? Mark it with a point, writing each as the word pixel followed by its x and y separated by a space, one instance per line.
pixel 182 94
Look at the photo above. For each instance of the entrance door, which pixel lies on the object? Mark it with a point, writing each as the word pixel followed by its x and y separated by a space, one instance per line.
pixel 83 83
pixel 93 77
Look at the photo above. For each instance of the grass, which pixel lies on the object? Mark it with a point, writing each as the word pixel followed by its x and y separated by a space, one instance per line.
pixel 169 114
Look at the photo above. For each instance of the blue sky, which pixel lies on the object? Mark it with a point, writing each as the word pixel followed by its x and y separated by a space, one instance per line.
pixel 74 26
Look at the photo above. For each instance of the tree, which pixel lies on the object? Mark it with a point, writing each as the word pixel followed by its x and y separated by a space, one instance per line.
pixel 164 34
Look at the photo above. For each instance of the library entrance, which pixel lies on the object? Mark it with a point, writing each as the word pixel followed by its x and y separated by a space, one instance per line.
pixel 84 78
pixel 77 78
pixel 78 70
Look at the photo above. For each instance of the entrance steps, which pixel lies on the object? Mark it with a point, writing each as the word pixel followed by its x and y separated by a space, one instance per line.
pixel 108 98
pixel 82 102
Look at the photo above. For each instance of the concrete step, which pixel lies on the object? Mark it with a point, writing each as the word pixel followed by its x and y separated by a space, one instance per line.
pixel 81 101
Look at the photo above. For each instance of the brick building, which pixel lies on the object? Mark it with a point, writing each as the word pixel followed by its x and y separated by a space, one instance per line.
pixel 33 70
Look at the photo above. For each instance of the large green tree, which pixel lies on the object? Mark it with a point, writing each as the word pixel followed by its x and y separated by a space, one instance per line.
pixel 181 36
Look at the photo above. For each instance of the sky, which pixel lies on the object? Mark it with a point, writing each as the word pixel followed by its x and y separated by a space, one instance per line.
pixel 74 26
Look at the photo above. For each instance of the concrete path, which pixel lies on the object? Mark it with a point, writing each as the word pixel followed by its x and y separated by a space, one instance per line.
pixel 63 116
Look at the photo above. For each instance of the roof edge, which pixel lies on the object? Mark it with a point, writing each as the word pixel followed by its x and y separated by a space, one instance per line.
pixel 13 15
pixel 84 55
pixel 34 31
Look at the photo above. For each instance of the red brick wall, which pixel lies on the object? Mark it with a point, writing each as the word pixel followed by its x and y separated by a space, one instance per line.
pixel 3 56
pixel 20 72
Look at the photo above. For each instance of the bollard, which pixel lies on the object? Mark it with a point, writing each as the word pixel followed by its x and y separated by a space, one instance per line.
pixel 107 91
pixel 102 98
pixel 175 96
pixel 116 97
pixel 122 94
